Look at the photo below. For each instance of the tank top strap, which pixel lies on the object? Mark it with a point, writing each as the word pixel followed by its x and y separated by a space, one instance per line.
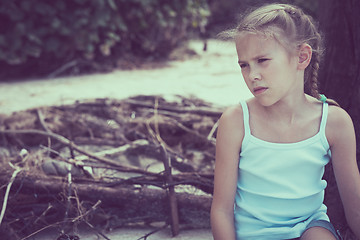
pixel 324 117
pixel 246 117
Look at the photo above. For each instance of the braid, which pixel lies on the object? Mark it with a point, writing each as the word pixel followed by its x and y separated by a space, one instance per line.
pixel 313 78
pixel 313 83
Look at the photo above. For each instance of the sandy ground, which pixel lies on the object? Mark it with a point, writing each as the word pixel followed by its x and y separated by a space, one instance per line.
pixel 213 76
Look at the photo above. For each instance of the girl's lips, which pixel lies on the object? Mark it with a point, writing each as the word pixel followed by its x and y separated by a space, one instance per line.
pixel 259 90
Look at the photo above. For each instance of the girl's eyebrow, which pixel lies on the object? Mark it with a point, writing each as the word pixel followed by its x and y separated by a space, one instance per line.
pixel 254 58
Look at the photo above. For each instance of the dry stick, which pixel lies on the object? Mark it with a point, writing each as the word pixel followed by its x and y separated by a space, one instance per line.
pixel 43 125
pixel 213 129
pixel 191 131
pixel 197 110
pixel 168 178
pixel 153 135
pixel 93 208
pixel 96 230
pixel 82 216
pixel 17 170
pixel 50 150
pixel 172 196
pixel 68 203
pixel 42 229
pixel 152 232
pixel 42 120
pixel 44 213
pixel 78 204
pixel 63 68
pixel 67 142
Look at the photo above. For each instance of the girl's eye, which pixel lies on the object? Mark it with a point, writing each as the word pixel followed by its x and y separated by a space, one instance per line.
pixel 243 65
pixel 261 60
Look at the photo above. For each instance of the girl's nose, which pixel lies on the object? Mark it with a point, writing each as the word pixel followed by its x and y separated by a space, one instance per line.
pixel 254 74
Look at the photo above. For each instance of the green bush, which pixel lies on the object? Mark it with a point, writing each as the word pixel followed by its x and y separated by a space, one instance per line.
pixel 58 29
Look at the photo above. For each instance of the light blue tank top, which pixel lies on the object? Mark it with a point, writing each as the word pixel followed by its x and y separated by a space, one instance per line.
pixel 280 189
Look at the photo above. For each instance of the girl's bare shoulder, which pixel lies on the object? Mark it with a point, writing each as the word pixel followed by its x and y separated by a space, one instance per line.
pixel 233 113
pixel 232 121
pixel 339 124
pixel 337 117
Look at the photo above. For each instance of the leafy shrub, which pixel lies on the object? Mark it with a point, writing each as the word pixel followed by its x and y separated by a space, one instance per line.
pixel 58 29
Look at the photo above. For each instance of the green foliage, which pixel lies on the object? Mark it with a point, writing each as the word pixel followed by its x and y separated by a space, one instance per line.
pixel 88 28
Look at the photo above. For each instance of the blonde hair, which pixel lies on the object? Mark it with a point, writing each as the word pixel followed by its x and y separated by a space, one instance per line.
pixel 291 27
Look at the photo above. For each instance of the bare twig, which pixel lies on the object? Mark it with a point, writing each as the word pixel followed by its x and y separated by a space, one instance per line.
pixel 69 193
pixel 43 125
pixel 42 120
pixel 17 170
pixel 154 136
pixel 93 208
pixel 63 68
pixel 197 110
pixel 50 150
pixel 153 232
pixel 191 131
pixel 42 229
pixel 213 129
pixel 44 213
pixel 98 231
pixel 168 177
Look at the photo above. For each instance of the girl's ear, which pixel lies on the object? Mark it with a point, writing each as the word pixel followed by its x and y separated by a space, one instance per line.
pixel 304 56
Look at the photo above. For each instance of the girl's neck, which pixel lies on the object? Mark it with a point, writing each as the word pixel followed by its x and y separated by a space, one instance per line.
pixel 287 110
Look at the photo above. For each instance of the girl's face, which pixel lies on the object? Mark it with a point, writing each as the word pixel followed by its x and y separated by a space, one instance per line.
pixel 269 71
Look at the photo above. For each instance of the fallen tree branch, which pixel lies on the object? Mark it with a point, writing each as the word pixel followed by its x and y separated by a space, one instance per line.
pixel 193 210
pixel 69 143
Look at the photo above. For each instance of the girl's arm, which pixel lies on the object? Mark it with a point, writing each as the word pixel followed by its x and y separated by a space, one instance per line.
pixel 341 137
pixel 228 141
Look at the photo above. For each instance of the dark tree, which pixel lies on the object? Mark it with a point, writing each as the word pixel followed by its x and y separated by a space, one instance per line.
pixel 340 77
pixel 340 74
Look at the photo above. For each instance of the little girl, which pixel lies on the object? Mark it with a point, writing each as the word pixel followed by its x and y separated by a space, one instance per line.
pixel 271 150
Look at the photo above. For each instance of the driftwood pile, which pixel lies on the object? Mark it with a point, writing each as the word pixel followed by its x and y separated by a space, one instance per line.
pixel 108 163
